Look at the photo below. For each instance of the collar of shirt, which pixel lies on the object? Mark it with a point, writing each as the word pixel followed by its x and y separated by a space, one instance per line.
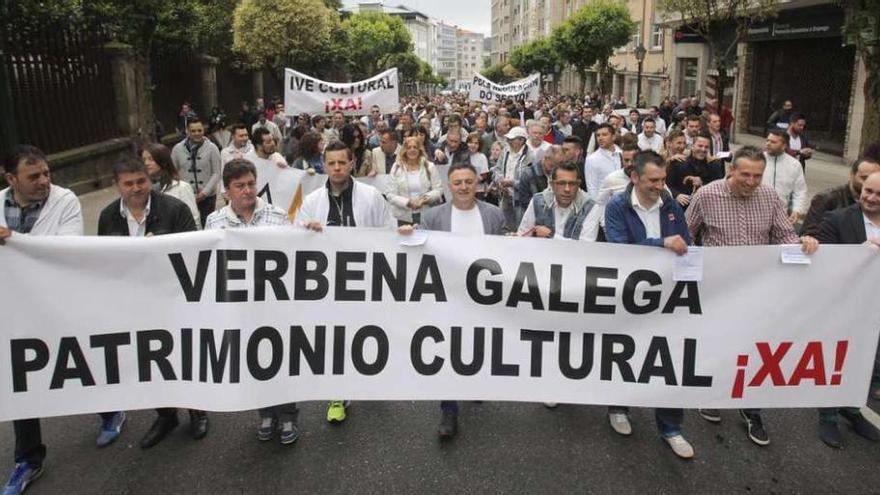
pixel 126 213
pixel 872 230
pixel 234 219
pixel 10 202
pixel 636 204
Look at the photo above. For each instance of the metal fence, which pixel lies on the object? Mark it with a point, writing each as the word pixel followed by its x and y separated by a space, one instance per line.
pixel 61 87
pixel 176 79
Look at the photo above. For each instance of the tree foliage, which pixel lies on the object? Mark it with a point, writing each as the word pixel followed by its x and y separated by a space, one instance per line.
pixel 285 33
pixel 495 73
pixel 373 37
pixel 862 30
pixel 537 56
pixel 409 68
pixel 590 36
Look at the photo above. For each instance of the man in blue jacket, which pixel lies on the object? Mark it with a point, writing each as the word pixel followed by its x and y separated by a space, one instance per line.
pixel 645 213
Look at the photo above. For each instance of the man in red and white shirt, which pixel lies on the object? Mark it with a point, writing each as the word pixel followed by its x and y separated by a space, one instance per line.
pixel 741 211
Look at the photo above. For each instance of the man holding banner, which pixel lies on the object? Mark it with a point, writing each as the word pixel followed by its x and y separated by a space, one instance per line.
pixel 645 213
pixel 343 202
pixel 33 205
pixel 246 210
pixel 464 215
pixel 740 211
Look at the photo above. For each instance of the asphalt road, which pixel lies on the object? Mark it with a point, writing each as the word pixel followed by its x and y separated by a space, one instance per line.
pixel 392 447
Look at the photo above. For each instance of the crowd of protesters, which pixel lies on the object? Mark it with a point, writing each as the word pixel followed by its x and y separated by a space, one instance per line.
pixel 561 167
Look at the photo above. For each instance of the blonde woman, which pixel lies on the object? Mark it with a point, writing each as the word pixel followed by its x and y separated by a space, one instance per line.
pixel 414 183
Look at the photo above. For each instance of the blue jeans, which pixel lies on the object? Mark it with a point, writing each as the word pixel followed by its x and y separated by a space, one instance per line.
pixel 669 421
pixel 449 406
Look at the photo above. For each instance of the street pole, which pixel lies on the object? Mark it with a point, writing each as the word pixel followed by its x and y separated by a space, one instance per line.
pixel 640 57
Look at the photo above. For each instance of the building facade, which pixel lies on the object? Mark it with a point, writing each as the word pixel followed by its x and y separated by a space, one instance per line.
pixel 469 54
pixel 447 50
pixel 516 22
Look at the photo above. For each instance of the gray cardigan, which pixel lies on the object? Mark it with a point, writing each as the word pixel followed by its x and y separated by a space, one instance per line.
pixel 440 218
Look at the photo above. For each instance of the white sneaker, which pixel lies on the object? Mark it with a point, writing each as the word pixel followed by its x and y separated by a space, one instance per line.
pixel 620 423
pixel 680 446
pixel 550 405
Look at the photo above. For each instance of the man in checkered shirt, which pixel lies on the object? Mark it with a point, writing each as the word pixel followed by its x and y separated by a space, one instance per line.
pixel 740 211
pixel 245 209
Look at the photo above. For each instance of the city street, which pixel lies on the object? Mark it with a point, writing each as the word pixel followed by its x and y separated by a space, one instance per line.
pixel 392 447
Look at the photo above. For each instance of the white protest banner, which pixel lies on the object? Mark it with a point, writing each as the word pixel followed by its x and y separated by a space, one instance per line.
pixel 486 91
pixel 305 94
pixel 240 319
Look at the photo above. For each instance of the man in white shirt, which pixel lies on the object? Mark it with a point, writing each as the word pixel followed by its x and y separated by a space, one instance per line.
pixel 239 146
pixel 659 123
pixel 463 215
pixel 514 159
pixel 264 123
pixel 33 206
pixel 536 142
pixel 785 175
pixel 649 139
pixel 612 184
pixel 603 161
pixel 343 202
pixel 560 211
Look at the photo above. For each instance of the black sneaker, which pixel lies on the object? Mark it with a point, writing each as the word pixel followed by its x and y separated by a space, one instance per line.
pixel 710 415
pixel 862 426
pixel 830 434
pixel 448 425
pixel 755 427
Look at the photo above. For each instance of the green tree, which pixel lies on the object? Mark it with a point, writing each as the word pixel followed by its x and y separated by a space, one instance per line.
pixel 270 34
pixel 373 37
pixel 496 74
pixel 863 31
pixel 590 36
pixel 722 23
pixel 409 68
pixel 537 56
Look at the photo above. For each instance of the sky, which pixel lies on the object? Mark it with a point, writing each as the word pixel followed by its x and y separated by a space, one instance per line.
pixel 473 15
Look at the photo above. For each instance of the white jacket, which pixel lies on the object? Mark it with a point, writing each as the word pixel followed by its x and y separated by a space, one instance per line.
pixel 368 206
pixel 397 189
pixel 785 174
pixel 184 192
pixel 61 215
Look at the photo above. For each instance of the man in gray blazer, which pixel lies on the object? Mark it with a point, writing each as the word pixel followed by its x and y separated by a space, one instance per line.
pixel 464 215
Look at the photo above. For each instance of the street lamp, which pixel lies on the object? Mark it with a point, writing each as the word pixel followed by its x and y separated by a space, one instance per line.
pixel 640 57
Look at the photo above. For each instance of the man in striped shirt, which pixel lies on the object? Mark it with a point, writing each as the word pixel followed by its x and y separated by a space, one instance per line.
pixel 740 211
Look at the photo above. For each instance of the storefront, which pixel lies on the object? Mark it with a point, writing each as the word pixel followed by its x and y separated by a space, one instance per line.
pixel 799 56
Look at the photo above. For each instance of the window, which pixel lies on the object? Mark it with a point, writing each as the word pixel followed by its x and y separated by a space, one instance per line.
pixel 637 37
pixel 657 37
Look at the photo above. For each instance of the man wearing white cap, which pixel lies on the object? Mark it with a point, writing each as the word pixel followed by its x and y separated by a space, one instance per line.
pixel 512 162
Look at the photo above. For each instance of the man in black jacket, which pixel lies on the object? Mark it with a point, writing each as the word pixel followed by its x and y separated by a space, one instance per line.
pixel 686 177
pixel 856 224
pixel 142 212
pixel 840 196
pixel 584 127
